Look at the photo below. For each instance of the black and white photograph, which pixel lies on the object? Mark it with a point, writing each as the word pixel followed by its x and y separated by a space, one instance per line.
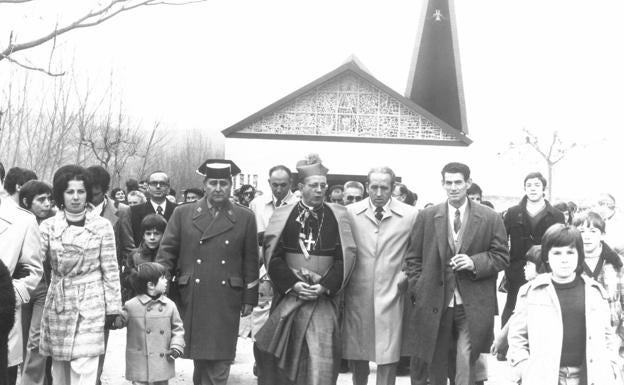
pixel 409 192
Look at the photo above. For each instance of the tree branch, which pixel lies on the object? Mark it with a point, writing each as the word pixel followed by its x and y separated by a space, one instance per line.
pixel 92 18
pixel 30 67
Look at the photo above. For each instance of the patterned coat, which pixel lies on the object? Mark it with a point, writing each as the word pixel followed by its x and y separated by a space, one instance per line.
pixel 84 286
pixel 154 328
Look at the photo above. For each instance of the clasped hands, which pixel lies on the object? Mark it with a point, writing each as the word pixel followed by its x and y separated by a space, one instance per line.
pixel 309 292
pixel 462 262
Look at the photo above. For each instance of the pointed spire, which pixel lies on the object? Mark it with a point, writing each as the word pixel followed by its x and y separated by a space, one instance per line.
pixel 434 81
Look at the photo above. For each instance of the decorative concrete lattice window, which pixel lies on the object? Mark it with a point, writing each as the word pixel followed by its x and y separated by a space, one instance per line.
pixel 348 106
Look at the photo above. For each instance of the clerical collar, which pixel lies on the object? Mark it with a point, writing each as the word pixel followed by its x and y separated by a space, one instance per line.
pixel 311 208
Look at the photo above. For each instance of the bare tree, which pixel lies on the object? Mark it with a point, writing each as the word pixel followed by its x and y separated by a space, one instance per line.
pixel 552 152
pixel 91 18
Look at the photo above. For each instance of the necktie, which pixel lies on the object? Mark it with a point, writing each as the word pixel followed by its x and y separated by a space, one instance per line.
pixel 379 213
pixel 457 221
pixel 278 203
pixel 159 210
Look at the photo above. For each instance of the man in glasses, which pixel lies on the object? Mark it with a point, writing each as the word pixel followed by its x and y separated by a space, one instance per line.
pixel 210 245
pixel 158 188
pixel 372 329
pixel 353 192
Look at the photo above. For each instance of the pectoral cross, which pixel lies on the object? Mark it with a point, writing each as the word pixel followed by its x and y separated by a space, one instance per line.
pixel 438 16
pixel 310 243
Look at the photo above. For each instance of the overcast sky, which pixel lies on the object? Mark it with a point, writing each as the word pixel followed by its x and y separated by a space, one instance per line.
pixel 537 64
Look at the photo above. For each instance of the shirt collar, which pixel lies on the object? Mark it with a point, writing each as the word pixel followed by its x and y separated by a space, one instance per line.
pixel 462 208
pixel 156 205
pixel 385 207
pixel 286 199
pixel 97 209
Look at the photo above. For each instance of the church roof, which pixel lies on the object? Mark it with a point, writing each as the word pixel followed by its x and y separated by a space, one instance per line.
pixel 348 104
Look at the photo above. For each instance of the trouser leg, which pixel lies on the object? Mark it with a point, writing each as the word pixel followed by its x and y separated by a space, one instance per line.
pixel 211 372
pixel 101 358
pixel 61 372
pixel 36 367
pixel 386 373
pixel 84 371
pixel 464 374
pixel 360 371
pixel 515 279
pixel 419 371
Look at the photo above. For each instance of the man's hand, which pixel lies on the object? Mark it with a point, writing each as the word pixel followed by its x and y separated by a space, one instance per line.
pixel 319 289
pixel 305 291
pixel 462 262
pixel 175 353
pixel 246 310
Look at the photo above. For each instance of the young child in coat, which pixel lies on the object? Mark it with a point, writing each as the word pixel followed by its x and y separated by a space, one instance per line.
pixel 560 332
pixel 152 228
pixel 155 336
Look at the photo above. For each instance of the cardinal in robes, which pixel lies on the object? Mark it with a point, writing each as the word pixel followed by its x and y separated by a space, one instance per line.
pixel 309 256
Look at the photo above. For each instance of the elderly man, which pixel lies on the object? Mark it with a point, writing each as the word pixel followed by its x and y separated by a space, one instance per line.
pixel 157 203
pixel 457 249
pixel 211 247
pixel 353 192
pixel 20 243
pixel 374 297
pixel 309 254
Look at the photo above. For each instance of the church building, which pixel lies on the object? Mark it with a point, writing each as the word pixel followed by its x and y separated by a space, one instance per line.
pixel 355 122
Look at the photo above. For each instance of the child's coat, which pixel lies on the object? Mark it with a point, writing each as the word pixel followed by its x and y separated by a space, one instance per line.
pixel 154 328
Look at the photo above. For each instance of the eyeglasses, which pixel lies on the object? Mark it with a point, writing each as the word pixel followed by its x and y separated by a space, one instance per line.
pixel 336 200
pixel 248 193
pixel 158 184
pixel 356 198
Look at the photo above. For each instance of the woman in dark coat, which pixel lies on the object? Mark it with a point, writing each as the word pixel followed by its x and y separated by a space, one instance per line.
pixel 7 318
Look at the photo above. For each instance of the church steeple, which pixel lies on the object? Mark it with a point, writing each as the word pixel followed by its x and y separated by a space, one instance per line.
pixel 435 81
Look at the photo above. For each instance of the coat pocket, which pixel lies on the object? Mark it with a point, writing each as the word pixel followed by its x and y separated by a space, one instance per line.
pixel 236 282
pixel 183 279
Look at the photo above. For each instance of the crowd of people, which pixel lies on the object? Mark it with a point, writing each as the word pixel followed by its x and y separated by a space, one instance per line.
pixel 315 274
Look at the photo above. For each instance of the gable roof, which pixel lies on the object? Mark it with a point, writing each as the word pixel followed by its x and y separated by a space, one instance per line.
pixel 390 118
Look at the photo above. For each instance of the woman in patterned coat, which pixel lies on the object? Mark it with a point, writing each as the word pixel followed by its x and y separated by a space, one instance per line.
pixel 84 293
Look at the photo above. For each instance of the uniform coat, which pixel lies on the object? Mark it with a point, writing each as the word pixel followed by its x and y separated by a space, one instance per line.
pixel 138 212
pixel 374 297
pixel 215 261
pixel 536 334
pixel 154 328
pixel 432 282
pixel 19 242
pixel 84 286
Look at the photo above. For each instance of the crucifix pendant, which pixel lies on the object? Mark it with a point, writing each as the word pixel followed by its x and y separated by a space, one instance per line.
pixel 310 243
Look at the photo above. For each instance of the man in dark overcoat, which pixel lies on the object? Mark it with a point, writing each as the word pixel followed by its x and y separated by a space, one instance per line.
pixel 211 247
pixel 456 251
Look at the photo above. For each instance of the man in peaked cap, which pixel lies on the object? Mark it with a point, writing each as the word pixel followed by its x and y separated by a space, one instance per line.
pixel 210 246
pixel 309 254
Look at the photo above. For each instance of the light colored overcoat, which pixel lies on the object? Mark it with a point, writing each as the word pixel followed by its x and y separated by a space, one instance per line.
pixel 84 286
pixel 154 328
pixel 374 297
pixel 536 334
pixel 19 242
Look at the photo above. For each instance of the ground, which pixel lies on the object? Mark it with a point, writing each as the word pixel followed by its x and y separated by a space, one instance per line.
pixel 241 374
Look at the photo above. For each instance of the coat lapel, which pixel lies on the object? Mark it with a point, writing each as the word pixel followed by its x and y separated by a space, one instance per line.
pixel 473 224
pixel 201 216
pixel 221 223
pixel 441 230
